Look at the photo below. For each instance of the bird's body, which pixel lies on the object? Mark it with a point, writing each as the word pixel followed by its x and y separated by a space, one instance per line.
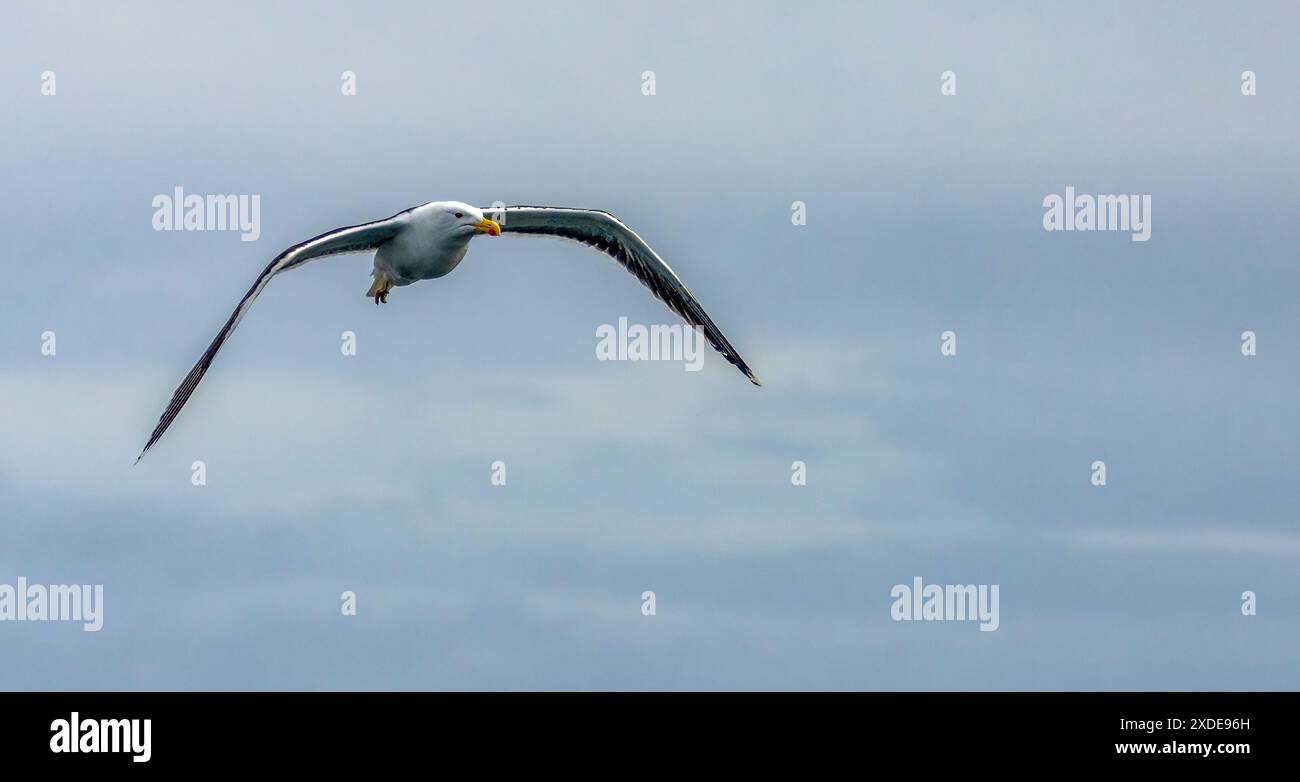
pixel 429 241
pixel 423 249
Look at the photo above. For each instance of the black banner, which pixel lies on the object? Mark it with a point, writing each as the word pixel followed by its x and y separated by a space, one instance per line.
pixel 331 730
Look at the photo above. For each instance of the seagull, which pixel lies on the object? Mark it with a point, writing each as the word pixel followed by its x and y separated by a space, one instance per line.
pixel 426 242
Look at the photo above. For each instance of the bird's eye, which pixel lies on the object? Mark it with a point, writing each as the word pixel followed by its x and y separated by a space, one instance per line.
pixel 459 215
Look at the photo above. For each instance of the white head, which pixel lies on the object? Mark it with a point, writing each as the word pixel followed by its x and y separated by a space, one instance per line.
pixel 463 219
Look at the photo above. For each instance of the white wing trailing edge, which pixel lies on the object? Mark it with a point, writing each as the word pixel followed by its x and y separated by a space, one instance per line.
pixel 606 233
pixel 350 239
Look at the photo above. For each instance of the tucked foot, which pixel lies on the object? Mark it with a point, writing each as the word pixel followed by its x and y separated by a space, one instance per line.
pixel 379 290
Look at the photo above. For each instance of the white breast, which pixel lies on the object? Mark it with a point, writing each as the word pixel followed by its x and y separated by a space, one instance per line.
pixel 424 250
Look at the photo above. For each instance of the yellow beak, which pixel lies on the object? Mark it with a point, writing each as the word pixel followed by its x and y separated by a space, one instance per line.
pixel 489 227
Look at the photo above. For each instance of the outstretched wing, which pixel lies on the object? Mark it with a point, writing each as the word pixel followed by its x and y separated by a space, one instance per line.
pixel 351 239
pixel 606 233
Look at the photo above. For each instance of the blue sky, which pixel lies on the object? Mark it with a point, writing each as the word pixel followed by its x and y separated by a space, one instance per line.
pixel 371 473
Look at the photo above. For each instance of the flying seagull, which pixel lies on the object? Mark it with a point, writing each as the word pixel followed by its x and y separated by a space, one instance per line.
pixel 427 242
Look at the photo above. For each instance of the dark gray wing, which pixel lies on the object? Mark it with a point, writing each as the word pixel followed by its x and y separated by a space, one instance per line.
pixel 606 233
pixel 351 239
